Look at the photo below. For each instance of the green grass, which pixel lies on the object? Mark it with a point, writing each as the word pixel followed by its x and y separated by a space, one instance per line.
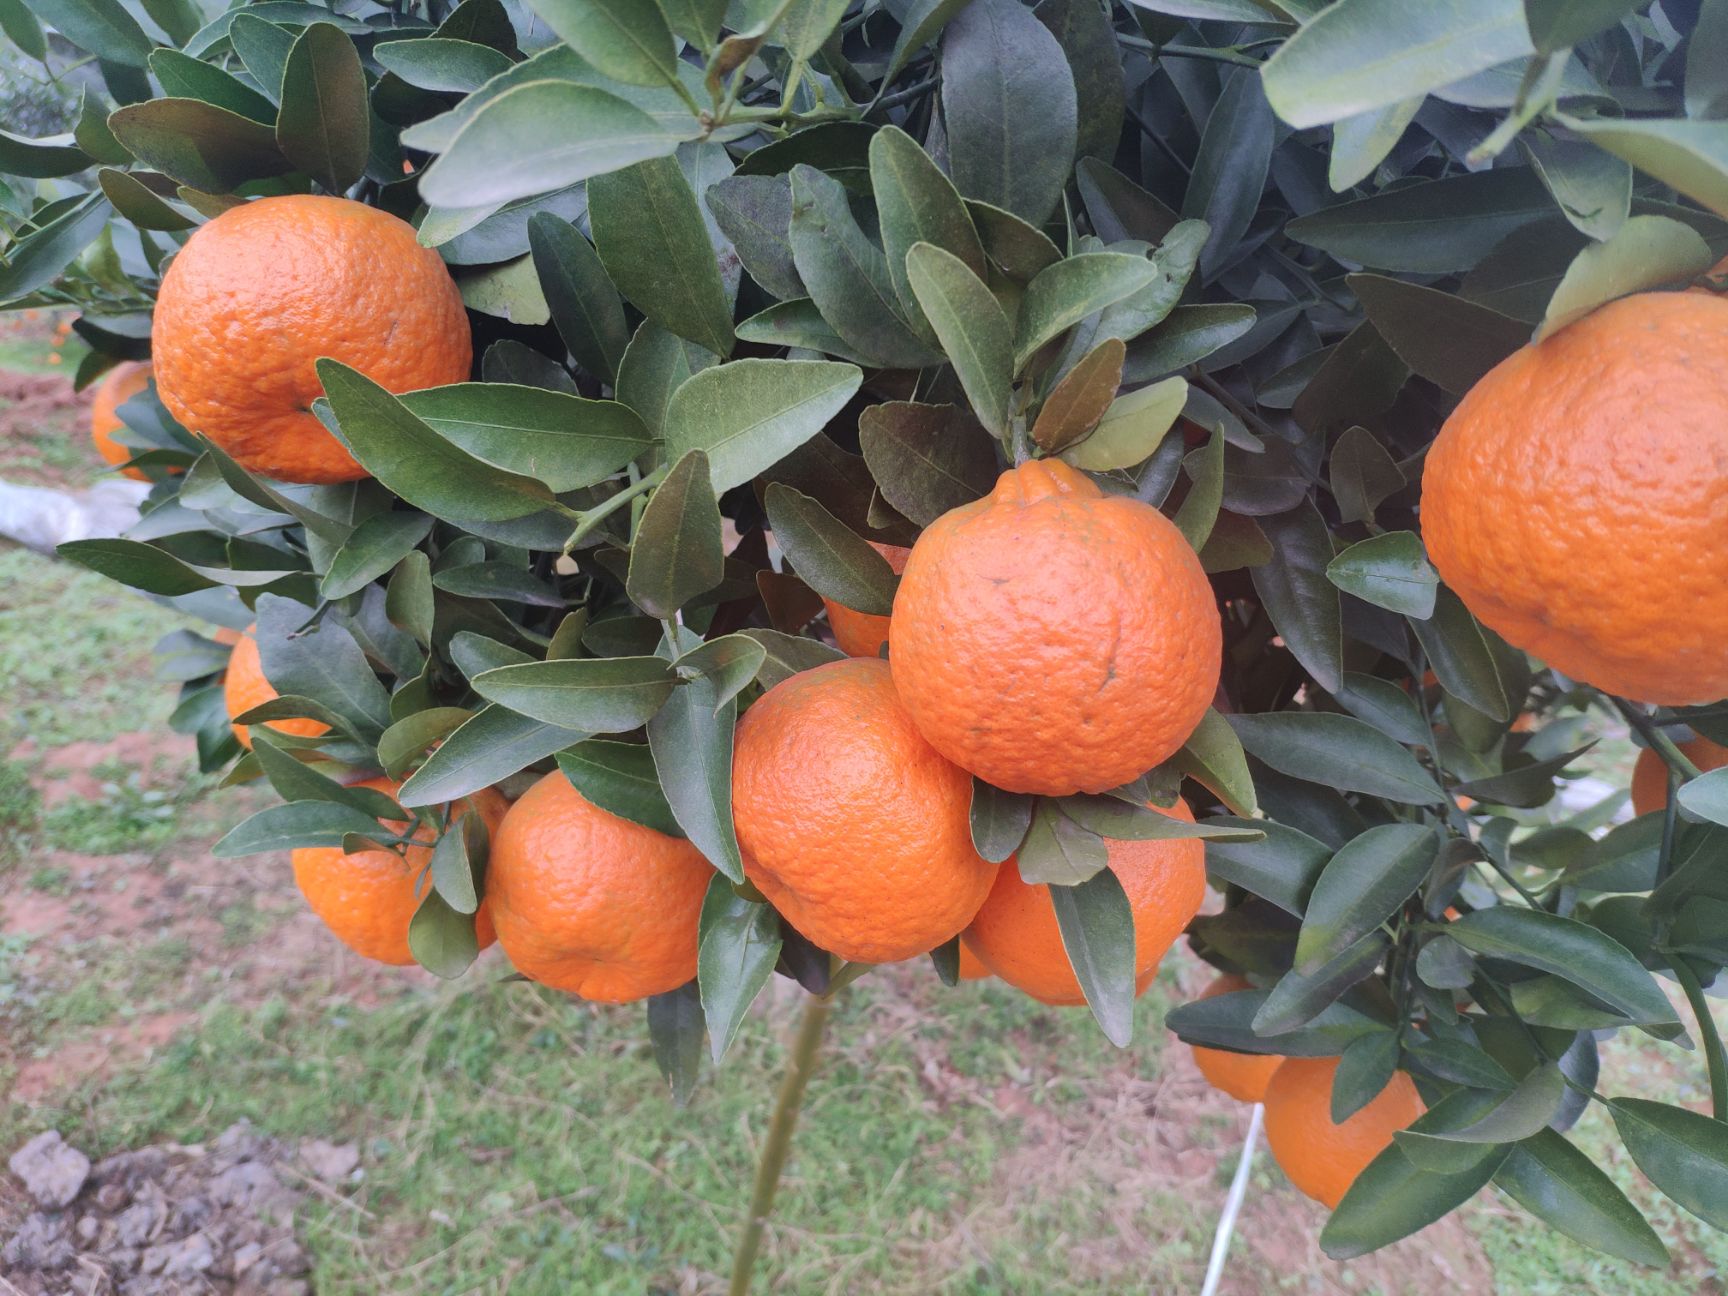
pixel 129 815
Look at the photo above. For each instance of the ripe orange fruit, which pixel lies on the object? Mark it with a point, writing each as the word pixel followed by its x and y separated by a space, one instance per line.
pixel 244 687
pixel 258 294
pixel 856 830
pixel 1244 1076
pixel 1650 774
pixel 970 968
pixel 1576 500
pixel 860 634
pixel 369 897
pixel 1320 1158
pixel 122 383
pixel 591 903
pixel 1016 936
pixel 1053 639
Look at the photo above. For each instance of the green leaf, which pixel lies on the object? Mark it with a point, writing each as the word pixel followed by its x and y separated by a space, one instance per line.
pixel 376 545
pixel 1691 156
pixel 750 414
pixel 1097 929
pixel 1593 189
pixel 416 462
pixel 848 276
pixel 1364 884
pixel 1445 339
pixel 324 127
pixel 509 361
pixel 1389 570
pixel 697 21
pixel 755 213
pixel 1519 1115
pixel 294 825
pixel 538 137
pixel 740 944
pixel 787 655
pixel 493 745
pixel 919 26
pixel 585 306
pixel 655 365
pixel 619 777
pixel 926 459
pixel 1706 77
pixel 1385 706
pixel 20 25
pixel 1072 289
pixel 1364 1069
pixel 1019 250
pixel 1683 1153
pixel 100 27
pixel 200 145
pixel 1226 1021
pixel 138 204
pixel 412 736
pixel 1392 1199
pixel 1337 750
pixel 798 323
pixel 564 442
pixel 442 940
pixel 972 327
pixel 1230 169
pixel 42 159
pixel 1646 252
pixel 1363 475
pixel 1461 658
pixel 324 664
pixel 1530 783
pixel 1429 227
pixel 1364 54
pixel 730 663
pixel 677 553
pixel 593 695
pixel 1199 511
pixel 626 40
pixel 652 240
pixel 459 855
pixel 1057 850
pixel 1304 605
pixel 293 780
pixel 263 47
pixel 1009 106
pixel 1187 335
pixel 1564 1189
pixel 676 1025
pixel 1589 959
pixel 691 739
pixel 1281 868
pixel 1706 797
pixel 187 78
pixel 1556 24
pixel 1361 141
pixel 1081 399
pixel 408 598
pixel 999 820
pixel 1115 819
pixel 441 64
pixel 831 558
pixel 1132 428
pixel 1298 997
pixel 1213 756
pixel 509 291
pixel 503 581
pixel 138 565
pixel 917 203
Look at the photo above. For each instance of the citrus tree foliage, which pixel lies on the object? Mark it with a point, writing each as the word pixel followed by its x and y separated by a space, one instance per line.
pixel 823 268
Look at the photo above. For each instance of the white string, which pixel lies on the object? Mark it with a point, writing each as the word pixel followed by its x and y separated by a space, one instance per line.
pixel 1232 1204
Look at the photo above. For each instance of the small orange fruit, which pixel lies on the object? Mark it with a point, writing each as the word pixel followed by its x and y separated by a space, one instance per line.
pixel 264 290
pixel 244 687
pixel 1576 499
pixel 369 897
pixel 1650 773
pixel 591 903
pixel 1244 1076
pixel 122 383
pixel 1052 639
pixel 851 825
pixel 1321 1158
pixel 1016 936
pixel 860 634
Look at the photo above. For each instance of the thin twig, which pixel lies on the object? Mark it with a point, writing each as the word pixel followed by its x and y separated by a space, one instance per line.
pixel 1713 1056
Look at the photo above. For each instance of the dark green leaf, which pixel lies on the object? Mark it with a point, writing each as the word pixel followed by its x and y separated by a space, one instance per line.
pixel 293 825
pixel 441 63
pixel 1199 511
pixel 1213 756
pixel 1299 997
pixel 919 26
pixel 584 304
pixel 974 330
pixel 1364 1069
pixel 1385 706
pixel 442 940
pixel 916 203
pixel 1363 475
pixel 999 820
pixel 101 27
pixel 1527 784
pixel 565 442
pixel 411 736
pixel 626 40
pixel 676 553
pixel 1364 884
pixel 1521 1114
pixel 594 695
pixel 651 238
pixel 751 413
pixel 408 599
pixel 926 459
pixel 458 856
pixel 1229 172
pixel 416 462
pixel 1461 658
pixel 20 25
pixel 324 127
pixel 41 159
pixel 182 77
pixel 1116 819
pixel 655 364
pixel 755 212
pixel 138 565
pixel 1281 867
pixel 1646 251
pixel 789 654
pixel 493 745
pixel 1019 250
pixel 1187 335
pixel 1009 106
pixel 38 258
pixel 505 581
pixel 832 558
pixel 138 204
pixel 1226 1021
pixel 1058 850
pixel 1389 570
pixel 740 945
pixel 1596 963
pixel 1555 24
pixel 1683 1153
pixel 619 777
pixel 1097 929
pixel 263 47
pixel 1072 289
pixel 691 739
pixel 676 1026
pixel 323 663
pixel 730 664
pixel 1338 750
pixel 1392 1199
pixel 1564 1189
pixel 377 545
pixel 1303 604
pixel 1445 339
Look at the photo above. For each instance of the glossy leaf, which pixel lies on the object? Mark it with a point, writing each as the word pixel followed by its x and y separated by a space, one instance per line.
pixel 1389 570
pixel 999 820
pixel 676 1025
pixel 1362 886
pixel 594 695
pixel 1338 750
pixel 1460 656
pixel 627 40
pixel 324 125
pixel 1574 951
pixel 740 944
pixel 676 552
pixel 198 144
pixel 619 777
pixel 493 745
pixel 1058 850
pixel 563 441
pixel 750 414
pixel 1446 339
pixel 104 28
pixel 691 739
pixel 831 558
pixel 376 545
pixel 1683 1153
pixel 1563 1188
pixel 1097 929
pixel 584 304
pixel 1302 603
pixel 1213 756
pixel 786 655
pixel 1646 252
pixel 972 328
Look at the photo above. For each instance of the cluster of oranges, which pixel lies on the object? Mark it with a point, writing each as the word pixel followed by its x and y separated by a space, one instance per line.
pixel 1049 639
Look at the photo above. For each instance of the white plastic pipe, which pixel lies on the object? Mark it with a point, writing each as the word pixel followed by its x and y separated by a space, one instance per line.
pixel 1233 1204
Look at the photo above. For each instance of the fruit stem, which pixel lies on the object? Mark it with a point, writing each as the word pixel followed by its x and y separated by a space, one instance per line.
pixel 1713 1054
pixel 799 1064
pixel 1660 743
